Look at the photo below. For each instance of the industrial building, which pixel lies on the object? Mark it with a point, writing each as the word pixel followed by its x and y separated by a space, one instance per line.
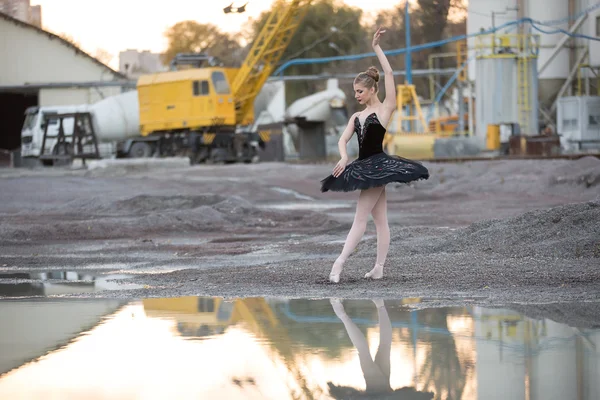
pixel 134 63
pixel 23 11
pixel 540 72
pixel 31 77
pixel 531 67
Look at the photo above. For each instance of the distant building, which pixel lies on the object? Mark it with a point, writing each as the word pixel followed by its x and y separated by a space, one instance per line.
pixel 35 16
pixel 134 63
pixel 23 11
pixel 27 82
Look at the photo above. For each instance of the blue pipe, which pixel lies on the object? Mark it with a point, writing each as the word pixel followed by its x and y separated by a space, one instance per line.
pixel 353 57
pixel 443 90
pixel 559 30
pixel 323 60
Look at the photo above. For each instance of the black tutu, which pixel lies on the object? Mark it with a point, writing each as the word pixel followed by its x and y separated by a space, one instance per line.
pixel 374 167
pixel 376 170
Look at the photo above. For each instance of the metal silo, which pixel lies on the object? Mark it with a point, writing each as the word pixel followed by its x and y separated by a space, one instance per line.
pixel 506 83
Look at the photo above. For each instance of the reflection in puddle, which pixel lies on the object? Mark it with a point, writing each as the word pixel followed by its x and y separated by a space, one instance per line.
pixel 56 283
pixel 198 347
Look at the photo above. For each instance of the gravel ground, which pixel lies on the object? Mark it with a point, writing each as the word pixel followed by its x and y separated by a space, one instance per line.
pixel 525 233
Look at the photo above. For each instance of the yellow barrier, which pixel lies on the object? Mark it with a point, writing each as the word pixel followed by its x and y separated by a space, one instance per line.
pixel 412 145
pixel 493 137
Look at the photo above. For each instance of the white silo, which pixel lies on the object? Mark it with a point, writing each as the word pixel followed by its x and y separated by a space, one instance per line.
pixel 506 84
pixel 591 27
pixel 553 75
pixel 483 15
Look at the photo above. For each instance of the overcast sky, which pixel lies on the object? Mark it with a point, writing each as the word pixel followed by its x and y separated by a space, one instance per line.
pixel 116 25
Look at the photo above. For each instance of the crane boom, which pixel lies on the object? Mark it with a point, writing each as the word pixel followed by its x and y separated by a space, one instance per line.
pixel 266 51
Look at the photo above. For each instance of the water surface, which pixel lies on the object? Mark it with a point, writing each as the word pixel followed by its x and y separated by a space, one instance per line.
pixel 256 348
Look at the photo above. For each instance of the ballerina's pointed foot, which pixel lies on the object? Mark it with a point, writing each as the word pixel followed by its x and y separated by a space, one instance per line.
pixel 337 306
pixel 375 273
pixel 336 270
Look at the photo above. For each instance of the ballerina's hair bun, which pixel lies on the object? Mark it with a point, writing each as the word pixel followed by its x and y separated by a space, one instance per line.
pixel 368 78
pixel 373 73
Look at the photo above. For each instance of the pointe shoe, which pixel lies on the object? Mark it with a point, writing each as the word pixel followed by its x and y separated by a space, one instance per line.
pixel 334 275
pixel 375 273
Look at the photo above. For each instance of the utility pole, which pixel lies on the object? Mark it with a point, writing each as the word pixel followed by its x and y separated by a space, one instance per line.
pixel 408 57
pixel 408 62
pixel 494 13
pixel 506 10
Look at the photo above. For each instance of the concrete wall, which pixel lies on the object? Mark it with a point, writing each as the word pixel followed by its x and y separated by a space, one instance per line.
pixel 63 97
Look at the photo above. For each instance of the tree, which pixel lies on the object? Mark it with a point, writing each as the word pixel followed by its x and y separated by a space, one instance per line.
pixel 330 28
pixel 192 37
pixel 103 56
pixel 433 16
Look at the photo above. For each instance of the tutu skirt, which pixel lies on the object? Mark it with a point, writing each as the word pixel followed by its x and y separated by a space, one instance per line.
pixel 374 171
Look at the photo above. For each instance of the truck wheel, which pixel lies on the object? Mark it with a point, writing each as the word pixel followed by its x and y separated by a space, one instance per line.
pixel 62 149
pixel 199 157
pixel 140 150
pixel 217 156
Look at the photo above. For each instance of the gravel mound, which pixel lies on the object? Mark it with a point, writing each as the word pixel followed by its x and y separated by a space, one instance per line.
pixel 584 172
pixel 145 215
pixel 568 231
pixel 149 203
pixel 510 176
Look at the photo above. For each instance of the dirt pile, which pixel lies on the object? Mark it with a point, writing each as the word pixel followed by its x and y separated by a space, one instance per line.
pixel 568 231
pixel 533 177
pixel 584 172
pixel 145 215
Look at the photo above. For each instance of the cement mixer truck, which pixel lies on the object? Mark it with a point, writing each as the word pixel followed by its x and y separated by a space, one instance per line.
pixel 202 110
pixel 116 126
pixel 115 123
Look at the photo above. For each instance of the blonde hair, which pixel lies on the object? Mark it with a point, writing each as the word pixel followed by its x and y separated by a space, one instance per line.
pixel 368 78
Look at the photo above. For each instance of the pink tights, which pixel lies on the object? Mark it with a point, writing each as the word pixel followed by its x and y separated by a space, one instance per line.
pixel 371 201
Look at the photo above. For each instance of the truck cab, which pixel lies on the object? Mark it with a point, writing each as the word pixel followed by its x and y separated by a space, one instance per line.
pixel 197 99
pixel 32 133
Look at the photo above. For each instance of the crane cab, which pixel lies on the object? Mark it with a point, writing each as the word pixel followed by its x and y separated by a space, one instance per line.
pixel 193 99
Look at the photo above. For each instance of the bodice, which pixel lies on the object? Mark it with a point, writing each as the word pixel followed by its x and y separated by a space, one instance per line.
pixel 370 136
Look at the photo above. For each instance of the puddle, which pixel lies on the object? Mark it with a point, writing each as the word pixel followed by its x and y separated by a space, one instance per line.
pixel 57 283
pixel 297 195
pixel 179 241
pixel 312 206
pixel 200 347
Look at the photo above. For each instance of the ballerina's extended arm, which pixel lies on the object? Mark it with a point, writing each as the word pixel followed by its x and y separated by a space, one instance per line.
pixel 389 103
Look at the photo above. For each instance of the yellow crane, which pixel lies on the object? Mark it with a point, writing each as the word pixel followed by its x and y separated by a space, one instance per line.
pixel 199 109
